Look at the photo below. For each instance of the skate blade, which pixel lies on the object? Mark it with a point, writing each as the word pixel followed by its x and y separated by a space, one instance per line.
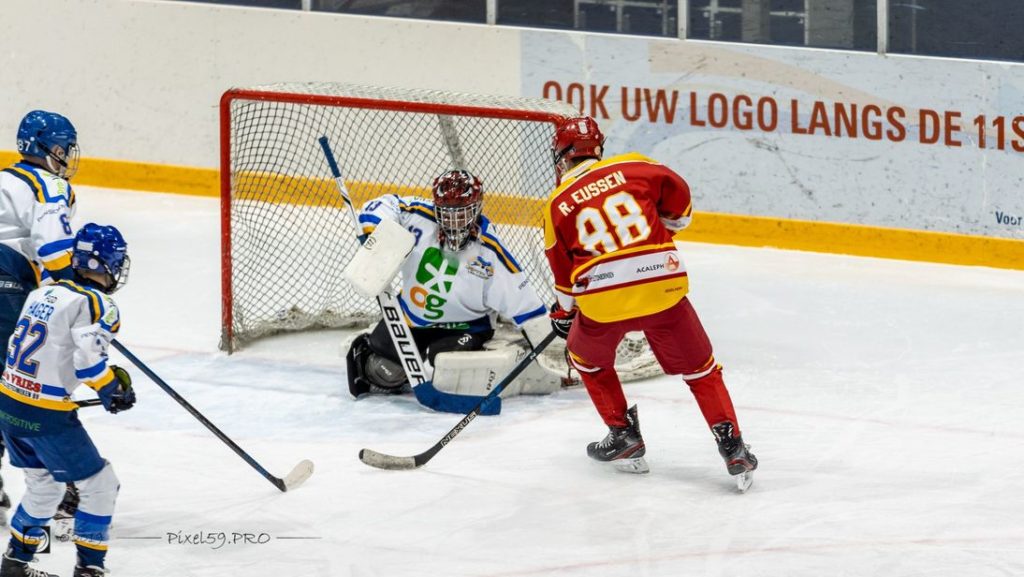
pixel 744 481
pixel 637 465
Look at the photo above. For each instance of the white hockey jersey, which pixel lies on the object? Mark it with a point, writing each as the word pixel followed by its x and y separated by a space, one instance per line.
pixel 464 290
pixel 36 207
pixel 60 341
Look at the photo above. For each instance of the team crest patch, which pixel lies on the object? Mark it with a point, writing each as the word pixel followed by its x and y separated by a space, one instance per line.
pixel 672 263
pixel 481 268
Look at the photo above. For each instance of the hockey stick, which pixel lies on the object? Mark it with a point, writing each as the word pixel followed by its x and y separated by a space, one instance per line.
pixel 401 337
pixel 382 461
pixel 296 477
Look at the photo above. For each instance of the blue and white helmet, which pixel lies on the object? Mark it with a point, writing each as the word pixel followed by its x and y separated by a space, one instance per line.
pixel 102 249
pixel 51 137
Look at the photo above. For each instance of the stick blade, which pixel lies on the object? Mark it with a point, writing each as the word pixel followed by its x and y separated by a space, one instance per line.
pixel 389 462
pixel 299 474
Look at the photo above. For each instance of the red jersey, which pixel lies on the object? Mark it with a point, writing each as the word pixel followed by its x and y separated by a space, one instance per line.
pixel 608 237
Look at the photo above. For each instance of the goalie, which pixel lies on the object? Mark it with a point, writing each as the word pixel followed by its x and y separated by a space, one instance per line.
pixel 457 277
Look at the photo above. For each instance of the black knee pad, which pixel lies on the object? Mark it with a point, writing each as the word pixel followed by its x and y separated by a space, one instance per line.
pixel 385 376
pixel 355 360
pixel 369 372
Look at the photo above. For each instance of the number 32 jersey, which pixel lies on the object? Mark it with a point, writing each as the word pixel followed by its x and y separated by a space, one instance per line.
pixel 608 237
pixel 59 342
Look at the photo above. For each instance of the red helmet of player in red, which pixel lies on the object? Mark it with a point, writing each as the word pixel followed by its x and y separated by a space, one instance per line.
pixel 577 137
pixel 458 200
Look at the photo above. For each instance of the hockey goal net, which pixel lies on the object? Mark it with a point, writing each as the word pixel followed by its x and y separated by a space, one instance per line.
pixel 285 235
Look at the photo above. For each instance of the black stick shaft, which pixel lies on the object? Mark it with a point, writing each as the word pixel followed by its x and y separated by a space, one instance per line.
pixel 494 393
pixel 199 416
pixel 383 461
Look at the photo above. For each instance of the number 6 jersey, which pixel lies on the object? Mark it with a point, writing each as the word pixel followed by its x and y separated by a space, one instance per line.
pixel 608 237
pixel 59 342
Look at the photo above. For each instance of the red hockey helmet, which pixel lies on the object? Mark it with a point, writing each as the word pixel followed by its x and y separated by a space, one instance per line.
pixel 577 137
pixel 458 200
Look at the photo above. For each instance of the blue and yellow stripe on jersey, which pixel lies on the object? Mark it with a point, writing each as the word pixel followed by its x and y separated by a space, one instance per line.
pixel 97 308
pixel 492 243
pixel 57 254
pixel 48 397
pixel 421 208
pixel 91 297
pixel 37 184
pixel 97 376
pixel 368 222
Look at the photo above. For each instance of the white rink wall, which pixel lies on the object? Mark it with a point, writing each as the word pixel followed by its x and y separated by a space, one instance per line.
pixel 142 80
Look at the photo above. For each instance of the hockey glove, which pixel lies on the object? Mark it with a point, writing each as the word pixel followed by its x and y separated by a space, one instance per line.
pixel 561 320
pixel 118 395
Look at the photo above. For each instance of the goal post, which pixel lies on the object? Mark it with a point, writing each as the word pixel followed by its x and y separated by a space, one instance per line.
pixel 285 239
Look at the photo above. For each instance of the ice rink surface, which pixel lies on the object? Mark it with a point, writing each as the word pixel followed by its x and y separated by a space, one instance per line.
pixel 883 399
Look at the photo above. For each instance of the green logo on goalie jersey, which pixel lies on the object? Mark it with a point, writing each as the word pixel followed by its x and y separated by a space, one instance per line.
pixel 435 275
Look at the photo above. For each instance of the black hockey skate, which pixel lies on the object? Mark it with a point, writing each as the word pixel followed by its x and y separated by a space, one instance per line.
pixel 11 567
pixel 740 462
pixel 68 505
pixel 89 572
pixel 623 447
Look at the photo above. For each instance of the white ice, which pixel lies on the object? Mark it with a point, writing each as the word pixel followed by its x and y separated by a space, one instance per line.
pixel 883 399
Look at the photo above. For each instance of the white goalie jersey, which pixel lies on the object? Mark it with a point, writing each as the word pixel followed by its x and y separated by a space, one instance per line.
pixel 464 290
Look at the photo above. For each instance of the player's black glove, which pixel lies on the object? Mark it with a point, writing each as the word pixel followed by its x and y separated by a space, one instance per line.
pixel 561 320
pixel 118 395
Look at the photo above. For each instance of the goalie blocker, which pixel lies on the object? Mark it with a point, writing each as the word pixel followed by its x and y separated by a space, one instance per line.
pixel 379 259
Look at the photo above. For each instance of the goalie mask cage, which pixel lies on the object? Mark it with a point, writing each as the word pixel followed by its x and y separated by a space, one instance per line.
pixel 285 236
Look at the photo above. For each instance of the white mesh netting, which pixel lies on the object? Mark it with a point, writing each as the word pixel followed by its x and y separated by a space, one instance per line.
pixel 286 225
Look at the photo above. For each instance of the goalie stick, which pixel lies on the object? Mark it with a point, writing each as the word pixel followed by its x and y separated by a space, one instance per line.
pixel 397 328
pixel 383 461
pixel 293 479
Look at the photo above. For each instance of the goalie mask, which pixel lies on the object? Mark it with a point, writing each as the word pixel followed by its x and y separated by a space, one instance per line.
pixel 575 138
pixel 52 140
pixel 102 249
pixel 458 200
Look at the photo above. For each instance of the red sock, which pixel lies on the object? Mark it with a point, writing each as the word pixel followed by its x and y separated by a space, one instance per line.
pixel 605 391
pixel 713 399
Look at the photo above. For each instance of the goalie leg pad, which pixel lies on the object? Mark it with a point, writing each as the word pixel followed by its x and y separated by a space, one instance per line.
pixel 474 372
pixel 429 396
pixel 536 329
